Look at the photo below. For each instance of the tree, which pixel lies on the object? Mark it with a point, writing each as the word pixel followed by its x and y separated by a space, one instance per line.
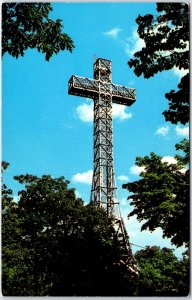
pixel 162 273
pixel 27 25
pixel 6 193
pixel 55 245
pixel 12 254
pixel 161 196
pixel 166 38
pixel 15 258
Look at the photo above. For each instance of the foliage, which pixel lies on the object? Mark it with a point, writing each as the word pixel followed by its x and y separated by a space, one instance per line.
pixel 162 273
pixel 54 245
pixel 27 25
pixel 161 196
pixel 185 147
pixel 14 257
pixel 166 38
pixel 5 192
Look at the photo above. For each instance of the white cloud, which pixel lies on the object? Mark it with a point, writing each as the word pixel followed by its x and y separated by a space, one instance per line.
pixel 172 160
pixel 85 112
pixel 77 194
pixel 163 130
pixel 85 177
pixel 147 238
pixel 124 202
pixel 134 44
pixel 113 32
pixel 16 199
pixel 176 71
pixel 143 238
pixel 169 160
pixel 120 113
pixel 180 72
pixel 135 170
pixel 183 170
pixel 182 131
pixel 123 178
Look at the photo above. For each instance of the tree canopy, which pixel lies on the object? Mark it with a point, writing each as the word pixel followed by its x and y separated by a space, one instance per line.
pixel 27 25
pixel 162 273
pixel 161 196
pixel 166 38
pixel 53 244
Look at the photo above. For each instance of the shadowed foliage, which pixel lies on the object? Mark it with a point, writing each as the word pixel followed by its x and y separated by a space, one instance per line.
pixel 166 38
pixel 162 273
pixel 161 196
pixel 27 25
pixel 52 244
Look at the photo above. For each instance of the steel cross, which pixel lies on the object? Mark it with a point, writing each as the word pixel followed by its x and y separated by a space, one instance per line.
pixel 104 93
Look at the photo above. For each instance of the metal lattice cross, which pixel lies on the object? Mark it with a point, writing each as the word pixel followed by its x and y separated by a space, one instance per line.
pixel 104 93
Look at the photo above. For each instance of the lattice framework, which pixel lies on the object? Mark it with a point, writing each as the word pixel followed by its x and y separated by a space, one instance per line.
pixel 104 191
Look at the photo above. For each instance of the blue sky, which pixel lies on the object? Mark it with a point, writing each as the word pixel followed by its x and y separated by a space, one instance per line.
pixel 46 131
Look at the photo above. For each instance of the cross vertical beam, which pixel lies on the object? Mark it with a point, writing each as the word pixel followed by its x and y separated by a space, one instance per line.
pixel 104 191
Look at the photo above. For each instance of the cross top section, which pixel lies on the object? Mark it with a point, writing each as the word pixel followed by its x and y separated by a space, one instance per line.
pixel 91 88
pixel 102 70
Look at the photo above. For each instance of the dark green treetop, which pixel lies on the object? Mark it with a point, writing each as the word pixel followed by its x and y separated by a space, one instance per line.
pixel 27 25
pixel 162 273
pixel 53 244
pixel 161 196
pixel 166 38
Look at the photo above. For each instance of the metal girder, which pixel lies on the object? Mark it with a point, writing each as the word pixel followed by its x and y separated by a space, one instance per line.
pixel 104 191
pixel 91 88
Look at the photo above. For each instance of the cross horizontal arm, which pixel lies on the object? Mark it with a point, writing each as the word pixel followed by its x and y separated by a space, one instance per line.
pixel 123 95
pixel 83 87
pixel 90 88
